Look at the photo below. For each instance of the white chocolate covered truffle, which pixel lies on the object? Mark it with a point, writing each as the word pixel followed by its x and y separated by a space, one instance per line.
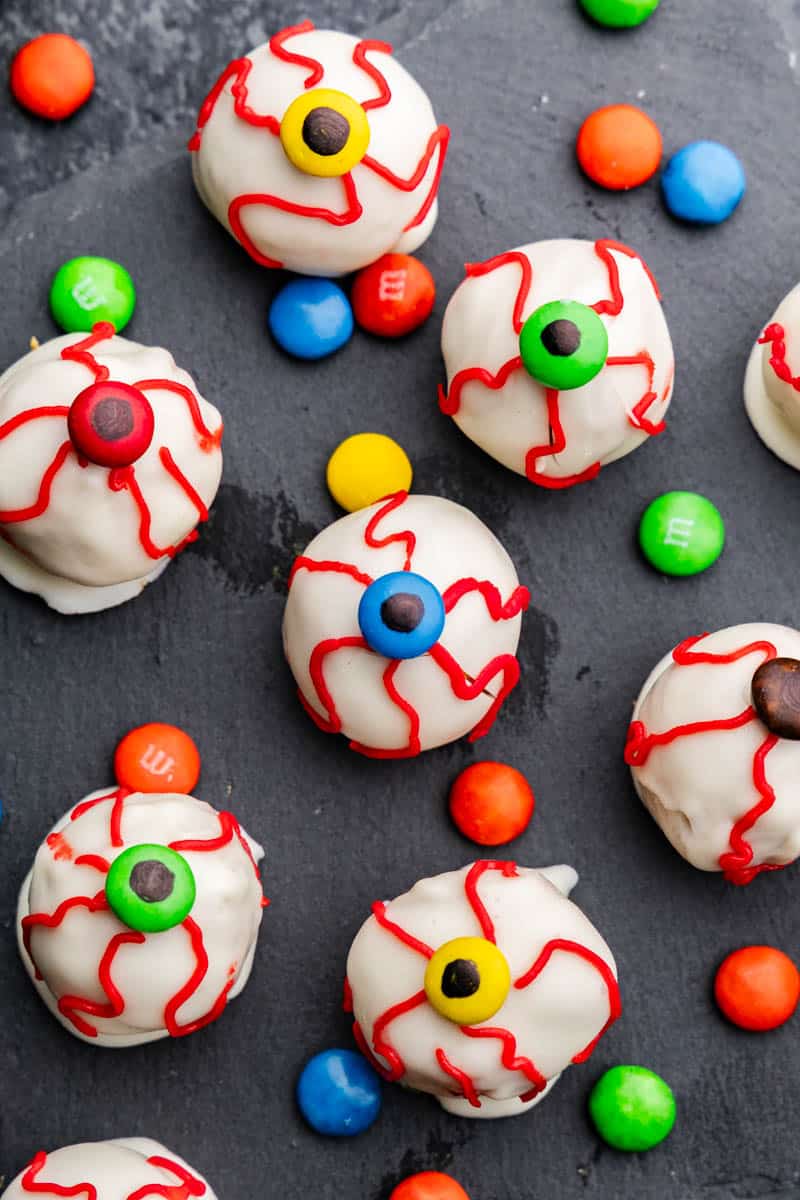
pixel 122 1169
pixel 558 358
pixel 481 986
pixel 319 153
pixel 140 916
pixel 714 753
pixel 402 624
pixel 772 382
pixel 109 458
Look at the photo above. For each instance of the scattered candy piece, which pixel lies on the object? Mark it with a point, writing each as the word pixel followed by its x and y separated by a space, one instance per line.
pixel 632 1108
pixel 339 1093
pixel 619 147
pixel 757 987
pixel 681 533
pixel 491 803
pixel 89 289
pixel 52 76
pixel 429 1185
pixel 311 318
pixel 393 296
pixel 703 183
pixel 366 467
pixel 620 14
pixel 157 758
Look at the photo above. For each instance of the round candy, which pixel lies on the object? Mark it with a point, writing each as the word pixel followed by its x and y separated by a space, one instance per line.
pixel 757 987
pixel 89 289
pixel 467 980
pixel 681 533
pixel 401 615
pixel 366 467
pixel 52 76
pixel 429 1185
pixel 393 296
pixel 339 1093
pixel 703 183
pixel 311 318
pixel 620 14
pixel 619 147
pixel 111 424
pixel 491 803
pixel 150 888
pixel 325 132
pixel 632 1108
pixel 775 691
pixel 563 344
pixel 157 758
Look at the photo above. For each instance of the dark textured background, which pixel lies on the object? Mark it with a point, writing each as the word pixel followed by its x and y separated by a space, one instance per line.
pixel 201 648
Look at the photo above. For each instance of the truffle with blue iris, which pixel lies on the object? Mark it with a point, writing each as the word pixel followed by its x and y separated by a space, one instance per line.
pixel 401 615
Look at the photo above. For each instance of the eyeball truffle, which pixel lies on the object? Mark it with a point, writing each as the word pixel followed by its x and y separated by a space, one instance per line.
pixel 772 382
pixel 558 358
pixel 402 624
pixel 140 916
pixel 318 152
pixel 122 1169
pixel 109 458
pixel 714 749
pixel 481 986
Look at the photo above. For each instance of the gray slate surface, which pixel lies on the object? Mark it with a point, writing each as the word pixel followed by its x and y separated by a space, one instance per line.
pixel 201 648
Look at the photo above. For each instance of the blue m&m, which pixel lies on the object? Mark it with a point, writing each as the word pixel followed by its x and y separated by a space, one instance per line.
pixel 339 1093
pixel 311 318
pixel 401 615
pixel 703 183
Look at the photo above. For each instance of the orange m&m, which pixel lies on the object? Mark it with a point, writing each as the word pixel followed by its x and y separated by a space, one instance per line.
pixel 757 987
pixel 619 147
pixel 393 296
pixel 52 76
pixel 491 803
pixel 157 758
pixel 429 1185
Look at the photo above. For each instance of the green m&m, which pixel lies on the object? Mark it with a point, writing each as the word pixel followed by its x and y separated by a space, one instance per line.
pixel 87 290
pixel 563 344
pixel 620 14
pixel 681 533
pixel 150 888
pixel 632 1108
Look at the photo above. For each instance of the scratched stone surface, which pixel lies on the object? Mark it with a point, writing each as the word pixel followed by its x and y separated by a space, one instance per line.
pixel 202 647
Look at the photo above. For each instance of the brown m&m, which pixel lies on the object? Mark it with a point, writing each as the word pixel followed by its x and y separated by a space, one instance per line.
pixel 776 696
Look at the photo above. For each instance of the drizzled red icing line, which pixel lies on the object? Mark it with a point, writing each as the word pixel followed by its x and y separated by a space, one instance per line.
pixel 71 1007
pixel 122 478
pixel 462 686
pixel 735 863
pixel 775 336
pixel 382 1049
pixel 239 70
pixel 450 399
pixel 189 1184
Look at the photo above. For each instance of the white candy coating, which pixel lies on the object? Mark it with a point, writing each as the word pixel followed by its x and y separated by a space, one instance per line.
pixel 772 382
pixel 235 158
pixel 511 422
pixel 699 785
pixel 150 972
pixel 113 1170
pixel 450 544
pixel 550 1022
pixel 86 551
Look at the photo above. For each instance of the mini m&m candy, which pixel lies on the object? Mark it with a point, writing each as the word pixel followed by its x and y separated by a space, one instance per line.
pixel 429 1185
pixel 157 758
pixel 681 533
pixel 88 289
pixel 311 318
pixel 366 467
pixel 620 14
pixel 491 803
pixel 703 183
pixel 339 1093
pixel 52 76
pixel 393 296
pixel 757 988
pixel 619 147
pixel 632 1108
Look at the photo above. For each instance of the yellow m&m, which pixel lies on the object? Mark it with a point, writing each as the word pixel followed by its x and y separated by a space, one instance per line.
pixel 365 468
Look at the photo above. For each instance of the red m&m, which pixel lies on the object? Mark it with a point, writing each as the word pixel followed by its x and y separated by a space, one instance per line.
pixel 757 987
pixel 393 296
pixel 52 76
pixel 429 1185
pixel 491 803
pixel 157 758
pixel 111 424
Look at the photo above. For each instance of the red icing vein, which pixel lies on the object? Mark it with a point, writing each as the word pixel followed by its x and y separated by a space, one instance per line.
pixel 775 336
pixel 188 1184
